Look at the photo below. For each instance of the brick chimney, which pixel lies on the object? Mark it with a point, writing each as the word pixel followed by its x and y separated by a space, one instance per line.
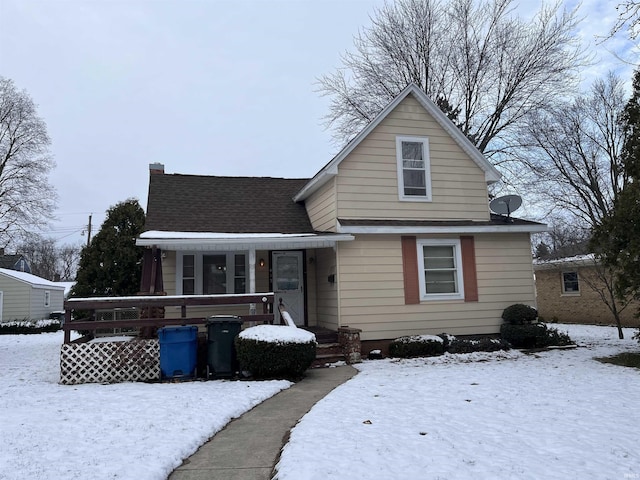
pixel 156 168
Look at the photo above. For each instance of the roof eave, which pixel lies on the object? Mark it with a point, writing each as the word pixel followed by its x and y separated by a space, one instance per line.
pixel 444 229
pixel 243 242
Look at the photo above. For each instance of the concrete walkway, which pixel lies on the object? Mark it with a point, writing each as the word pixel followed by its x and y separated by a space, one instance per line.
pixel 247 448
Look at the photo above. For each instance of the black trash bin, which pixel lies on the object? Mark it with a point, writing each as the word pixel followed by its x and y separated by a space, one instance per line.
pixel 222 330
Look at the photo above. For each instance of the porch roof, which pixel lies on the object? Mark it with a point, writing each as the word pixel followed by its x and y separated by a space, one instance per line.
pixel 238 241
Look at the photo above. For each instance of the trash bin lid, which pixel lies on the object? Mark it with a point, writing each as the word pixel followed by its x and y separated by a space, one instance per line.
pixel 223 319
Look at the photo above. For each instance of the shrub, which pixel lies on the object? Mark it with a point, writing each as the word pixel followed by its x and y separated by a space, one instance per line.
pixel 484 344
pixel 22 327
pixel 416 346
pixel 271 351
pixel 519 314
pixel 535 335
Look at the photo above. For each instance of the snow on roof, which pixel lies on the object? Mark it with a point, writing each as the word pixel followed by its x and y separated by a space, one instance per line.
pixel 576 259
pixel 278 334
pixel 30 279
pixel 208 235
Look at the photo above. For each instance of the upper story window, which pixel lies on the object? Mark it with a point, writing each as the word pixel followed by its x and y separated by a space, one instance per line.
pixel 211 273
pixel 570 283
pixel 440 268
pixel 414 170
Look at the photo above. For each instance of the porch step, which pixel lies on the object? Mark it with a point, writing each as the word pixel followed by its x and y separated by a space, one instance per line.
pixel 323 335
pixel 327 353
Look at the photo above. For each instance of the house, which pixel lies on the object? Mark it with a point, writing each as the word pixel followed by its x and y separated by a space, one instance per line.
pixel 26 296
pixel 14 262
pixel 392 237
pixel 570 289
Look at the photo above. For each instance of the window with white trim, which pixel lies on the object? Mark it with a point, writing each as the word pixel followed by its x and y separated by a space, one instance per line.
pixel 47 298
pixel 414 168
pixel 570 282
pixel 440 269
pixel 211 273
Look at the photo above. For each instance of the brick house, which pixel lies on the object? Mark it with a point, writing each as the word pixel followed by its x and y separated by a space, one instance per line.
pixel 567 292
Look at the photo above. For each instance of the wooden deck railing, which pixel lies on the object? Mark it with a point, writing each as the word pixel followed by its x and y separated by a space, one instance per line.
pixel 156 301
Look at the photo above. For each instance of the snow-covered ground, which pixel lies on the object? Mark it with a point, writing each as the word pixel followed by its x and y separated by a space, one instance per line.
pixel 123 431
pixel 553 415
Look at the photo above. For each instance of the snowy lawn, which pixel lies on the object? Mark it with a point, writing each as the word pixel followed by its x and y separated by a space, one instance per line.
pixel 553 415
pixel 122 431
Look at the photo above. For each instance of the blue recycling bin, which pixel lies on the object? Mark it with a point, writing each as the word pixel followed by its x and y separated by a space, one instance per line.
pixel 178 352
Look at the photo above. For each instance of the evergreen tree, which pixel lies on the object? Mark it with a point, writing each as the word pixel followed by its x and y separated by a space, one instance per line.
pixel 112 264
pixel 617 237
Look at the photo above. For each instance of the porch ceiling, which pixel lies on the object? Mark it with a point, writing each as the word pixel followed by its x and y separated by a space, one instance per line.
pixel 238 241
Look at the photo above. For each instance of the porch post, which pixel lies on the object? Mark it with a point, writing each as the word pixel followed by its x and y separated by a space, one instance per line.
pixel 252 278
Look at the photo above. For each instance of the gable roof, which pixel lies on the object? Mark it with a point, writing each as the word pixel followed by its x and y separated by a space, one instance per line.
pixel 331 169
pixel 9 261
pixel 32 280
pixel 200 203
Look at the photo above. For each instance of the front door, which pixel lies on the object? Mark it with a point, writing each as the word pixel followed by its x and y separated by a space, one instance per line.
pixel 288 284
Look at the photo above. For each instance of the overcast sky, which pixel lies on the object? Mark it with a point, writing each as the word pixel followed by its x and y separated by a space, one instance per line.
pixel 204 87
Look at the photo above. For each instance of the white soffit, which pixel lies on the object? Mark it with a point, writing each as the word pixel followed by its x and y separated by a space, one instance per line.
pixel 234 242
pixel 416 230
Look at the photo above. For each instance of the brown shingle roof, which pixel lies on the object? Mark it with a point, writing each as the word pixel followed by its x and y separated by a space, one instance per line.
pixel 197 203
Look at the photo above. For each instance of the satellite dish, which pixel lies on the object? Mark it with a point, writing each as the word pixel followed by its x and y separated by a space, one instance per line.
pixel 505 205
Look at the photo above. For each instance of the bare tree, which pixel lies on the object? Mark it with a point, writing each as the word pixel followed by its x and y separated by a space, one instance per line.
pixel 47 259
pixel 26 198
pixel 489 67
pixel 573 149
pixel 574 165
pixel 561 240
pixel 69 258
pixel 629 17
pixel 602 280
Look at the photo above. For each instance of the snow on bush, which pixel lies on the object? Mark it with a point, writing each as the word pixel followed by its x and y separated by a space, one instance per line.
pixel 272 351
pixel 278 334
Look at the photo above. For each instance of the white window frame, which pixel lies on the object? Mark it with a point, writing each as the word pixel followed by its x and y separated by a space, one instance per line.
pixel 427 169
pixel 564 290
pixel 47 298
pixel 231 276
pixel 457 255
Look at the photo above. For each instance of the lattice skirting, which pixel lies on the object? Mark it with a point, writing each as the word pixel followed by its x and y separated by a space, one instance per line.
pixel 110 362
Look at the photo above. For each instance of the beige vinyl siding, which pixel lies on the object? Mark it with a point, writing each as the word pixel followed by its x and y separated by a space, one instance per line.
pixel 169 272
pixel 321 208
pixel 327 293
pixel 311 281
pixel 367 182
pixel 372 292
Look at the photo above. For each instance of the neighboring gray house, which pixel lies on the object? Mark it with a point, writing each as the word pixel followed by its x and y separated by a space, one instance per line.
pixel 14 262
pixel 26 296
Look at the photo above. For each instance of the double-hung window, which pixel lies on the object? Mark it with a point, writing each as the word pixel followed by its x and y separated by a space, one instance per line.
pixel 440 269
pixel 570 283
pixel 211 273
pixel 414 175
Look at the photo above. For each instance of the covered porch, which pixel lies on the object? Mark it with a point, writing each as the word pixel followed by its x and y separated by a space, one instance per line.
pixel 299 269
